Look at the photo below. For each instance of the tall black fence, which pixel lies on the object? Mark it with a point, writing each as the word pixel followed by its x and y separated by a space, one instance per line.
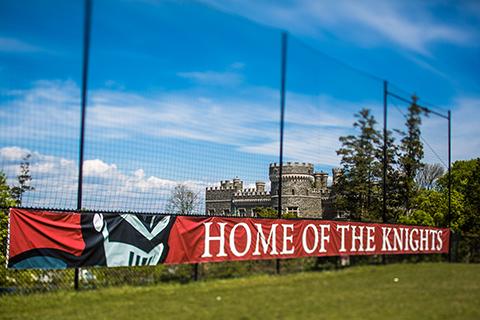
pixel 114 116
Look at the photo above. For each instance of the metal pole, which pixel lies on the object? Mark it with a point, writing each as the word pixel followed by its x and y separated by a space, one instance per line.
pixel 449 168
pixel 282 125
pixel 385 97
pixel 86 48
pixel 195 271
pixel 282 118
pixel 449 219
pixel 385 160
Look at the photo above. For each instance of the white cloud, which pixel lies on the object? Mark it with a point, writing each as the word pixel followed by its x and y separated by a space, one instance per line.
pixel 17 46
pixel 213 78
pixel 105 187
pixel 247 120
pixel 411 25
pixel 98 168
pixel 13 153
pixel 465 130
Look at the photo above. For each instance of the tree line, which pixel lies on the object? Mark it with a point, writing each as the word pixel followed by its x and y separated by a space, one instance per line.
pixel 417 192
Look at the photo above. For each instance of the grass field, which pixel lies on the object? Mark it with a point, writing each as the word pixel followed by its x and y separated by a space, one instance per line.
pixel 421 291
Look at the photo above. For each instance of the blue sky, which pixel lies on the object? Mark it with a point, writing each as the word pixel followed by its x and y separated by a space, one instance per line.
pixel 188 92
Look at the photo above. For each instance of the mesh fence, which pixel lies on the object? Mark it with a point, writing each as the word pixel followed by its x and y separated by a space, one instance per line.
pixel 324 99
pixel 434 144
pixel 171 116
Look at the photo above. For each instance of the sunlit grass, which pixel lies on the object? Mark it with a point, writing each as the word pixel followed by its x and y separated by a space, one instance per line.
pixel 401 291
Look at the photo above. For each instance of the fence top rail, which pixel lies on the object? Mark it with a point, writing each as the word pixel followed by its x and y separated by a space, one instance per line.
pixel 92 212
pixel 425 109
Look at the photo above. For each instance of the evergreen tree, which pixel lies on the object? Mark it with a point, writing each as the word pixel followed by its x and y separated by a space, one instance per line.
pixel 24 179
pixel 358 188
pixel 411 154
pixel 393 177
pixel 6 201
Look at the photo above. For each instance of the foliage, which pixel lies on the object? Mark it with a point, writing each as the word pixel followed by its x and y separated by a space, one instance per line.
pixel 6 200
pixel 428 175
pixel 465 179
pixel 358 187
pixel 430 207
pixel 393 201
pixel 265 212
pixel 24 179
pixel 411 154
pixel 183 201
pixel 11 197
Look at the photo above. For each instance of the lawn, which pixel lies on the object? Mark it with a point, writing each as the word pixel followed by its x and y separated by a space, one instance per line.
pixel 401 291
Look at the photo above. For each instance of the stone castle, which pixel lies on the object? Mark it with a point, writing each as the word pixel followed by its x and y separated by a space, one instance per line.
pixel 305 193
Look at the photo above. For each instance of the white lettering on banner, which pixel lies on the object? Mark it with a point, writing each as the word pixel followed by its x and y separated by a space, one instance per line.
pixel 324 238
pixel 439 239
pixel 270 242
pixel 370 239
pixel 220 238
pixel 305 236
pixel 407 235
pixel 287 238
pixel 398 239
pixel 248 234
pixel 358 238
pixel 386 246
pixel 342 228
pixel 413 242
pixel 423 239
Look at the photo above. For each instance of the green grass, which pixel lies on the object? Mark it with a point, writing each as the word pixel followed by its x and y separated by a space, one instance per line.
pixel 423 291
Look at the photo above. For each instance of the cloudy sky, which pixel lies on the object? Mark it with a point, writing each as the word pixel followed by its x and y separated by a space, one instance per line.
pixel 188 92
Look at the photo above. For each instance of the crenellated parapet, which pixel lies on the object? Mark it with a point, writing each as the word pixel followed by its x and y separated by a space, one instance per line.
pixel 251 193
pixel 291 168
pixel 303 192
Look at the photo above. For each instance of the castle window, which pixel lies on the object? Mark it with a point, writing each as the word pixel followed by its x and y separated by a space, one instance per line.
pixel 211 211
pixel 293 191
pixel 293 210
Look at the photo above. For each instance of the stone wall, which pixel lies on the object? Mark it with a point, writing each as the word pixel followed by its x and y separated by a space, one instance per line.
pixel 302 192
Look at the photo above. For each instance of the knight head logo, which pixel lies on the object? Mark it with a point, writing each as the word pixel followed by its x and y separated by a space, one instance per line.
pixel 134 240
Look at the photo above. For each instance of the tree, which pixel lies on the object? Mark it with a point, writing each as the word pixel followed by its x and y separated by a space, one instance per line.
pixel 266 212
pixel 6 201
pixel 411 156
pixel 358 187
pixel 430 207
pixel 24 179
pixel 183 201
pixel 428 175
pixel 465 178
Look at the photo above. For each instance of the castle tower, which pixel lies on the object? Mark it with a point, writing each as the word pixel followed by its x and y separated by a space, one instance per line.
pixel 321 181
pixel 260 186
pixel 237 185
pixel 337 173
pixel 298 193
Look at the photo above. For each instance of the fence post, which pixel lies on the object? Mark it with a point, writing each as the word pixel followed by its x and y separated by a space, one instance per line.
pixel 449 219
pixel 195 271
pixel 86 47
pixel 283 67
pixel 385 160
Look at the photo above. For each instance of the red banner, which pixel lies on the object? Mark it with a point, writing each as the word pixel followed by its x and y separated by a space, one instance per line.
pixel 42 239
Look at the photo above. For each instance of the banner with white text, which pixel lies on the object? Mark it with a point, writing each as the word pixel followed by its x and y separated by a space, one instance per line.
pixel 55 240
